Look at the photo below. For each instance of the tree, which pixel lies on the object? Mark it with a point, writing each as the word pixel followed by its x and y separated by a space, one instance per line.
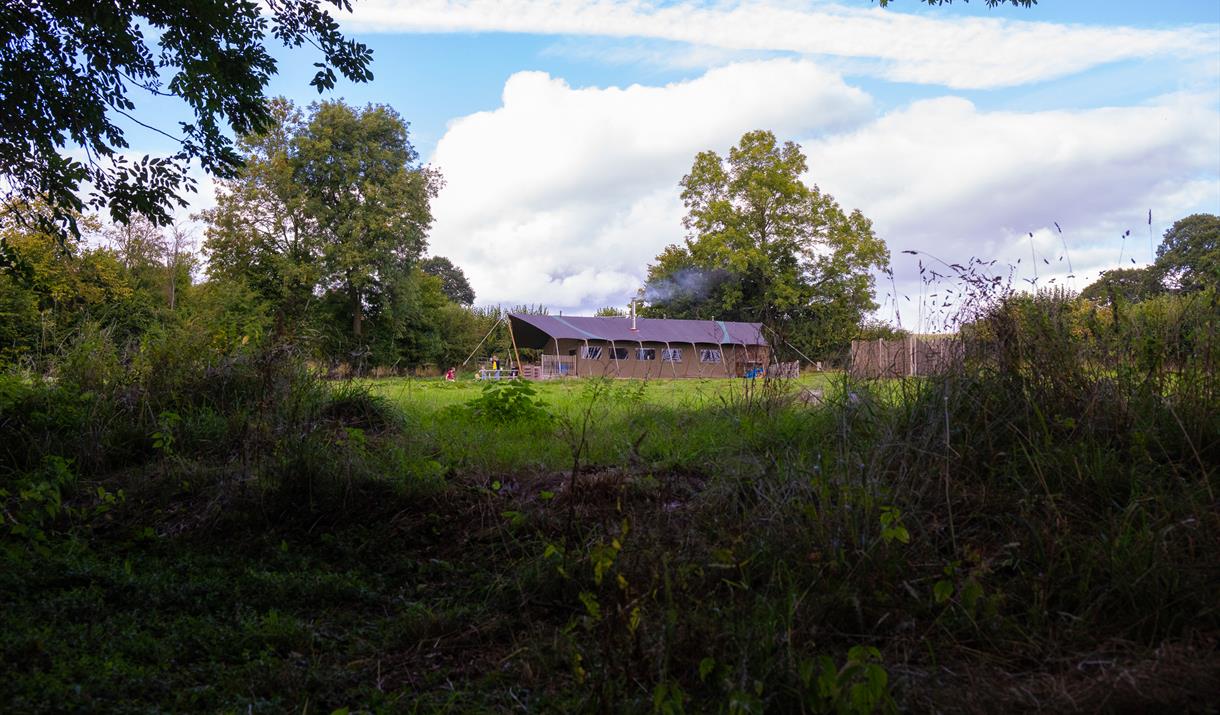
pixel 158 260
pixel 50 290
pixel 259 233
pixel 329 217
pixel 68 71
pixel 367 198
pixel 1189 255
pixel 453 280
pixel 1129 284
pixel 763 246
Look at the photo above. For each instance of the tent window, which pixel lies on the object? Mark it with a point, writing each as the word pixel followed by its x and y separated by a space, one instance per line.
pixel 591 352
pixel 618 353
pixel 645 353
pixel 709 356
pixel 671 355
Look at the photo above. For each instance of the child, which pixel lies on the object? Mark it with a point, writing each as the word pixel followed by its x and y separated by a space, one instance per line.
pixel 449 374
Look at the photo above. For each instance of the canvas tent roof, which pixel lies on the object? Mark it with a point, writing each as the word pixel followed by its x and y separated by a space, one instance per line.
pixel 532 331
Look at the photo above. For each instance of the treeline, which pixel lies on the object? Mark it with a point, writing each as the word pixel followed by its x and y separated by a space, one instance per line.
pixel 320 242
pixel 129 287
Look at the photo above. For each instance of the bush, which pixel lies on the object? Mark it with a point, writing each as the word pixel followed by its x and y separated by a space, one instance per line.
pixel 508 401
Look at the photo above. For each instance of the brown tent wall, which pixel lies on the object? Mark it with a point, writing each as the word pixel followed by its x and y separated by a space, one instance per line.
pixel 735 359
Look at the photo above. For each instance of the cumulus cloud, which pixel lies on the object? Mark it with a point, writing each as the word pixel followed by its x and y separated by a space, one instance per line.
pixel 944 177
pixel 957 52
pixel 563 195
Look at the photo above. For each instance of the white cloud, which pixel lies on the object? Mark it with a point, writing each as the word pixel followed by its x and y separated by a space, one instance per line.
pixel 958 52
pixel 945 178
pixel 563 195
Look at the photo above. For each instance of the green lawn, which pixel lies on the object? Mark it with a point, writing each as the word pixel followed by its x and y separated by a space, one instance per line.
pixel 660 414
pixel 425 395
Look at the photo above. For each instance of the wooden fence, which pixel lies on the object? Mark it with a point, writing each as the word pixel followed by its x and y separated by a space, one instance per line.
pixel 904 357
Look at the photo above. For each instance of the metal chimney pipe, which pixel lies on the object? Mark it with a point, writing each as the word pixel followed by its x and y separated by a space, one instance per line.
pixel 633 315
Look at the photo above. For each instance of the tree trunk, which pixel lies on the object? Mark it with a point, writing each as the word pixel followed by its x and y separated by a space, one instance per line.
pixel 357 314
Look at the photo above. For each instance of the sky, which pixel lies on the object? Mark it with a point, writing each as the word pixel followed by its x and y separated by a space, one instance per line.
pixel 1034 137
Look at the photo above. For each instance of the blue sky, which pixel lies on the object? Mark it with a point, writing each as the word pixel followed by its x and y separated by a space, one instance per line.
pixel 563 127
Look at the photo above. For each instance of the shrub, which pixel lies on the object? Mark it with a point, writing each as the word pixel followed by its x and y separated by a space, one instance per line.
pixel 508 401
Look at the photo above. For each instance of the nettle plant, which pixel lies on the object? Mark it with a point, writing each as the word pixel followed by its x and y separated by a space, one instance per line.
pixel 509 401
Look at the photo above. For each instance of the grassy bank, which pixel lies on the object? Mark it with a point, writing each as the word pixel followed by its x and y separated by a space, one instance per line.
pixel 1037 530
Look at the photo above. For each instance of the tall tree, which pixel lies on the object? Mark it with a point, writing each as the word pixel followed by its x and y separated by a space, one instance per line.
pixel 453 280
pixel 1189 255
pixel 158 260
pixel 259 232
pixel 761 245
pixel 331 209
pixel 368 198
pixel 69 71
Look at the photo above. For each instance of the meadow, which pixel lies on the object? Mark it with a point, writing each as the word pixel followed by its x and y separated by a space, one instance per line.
pixel 1035 530
pixel 622 416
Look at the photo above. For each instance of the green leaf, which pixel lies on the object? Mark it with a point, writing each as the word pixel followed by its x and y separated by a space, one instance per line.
pixel 592 607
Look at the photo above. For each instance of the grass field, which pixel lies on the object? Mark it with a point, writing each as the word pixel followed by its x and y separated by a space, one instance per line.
pixel 622 410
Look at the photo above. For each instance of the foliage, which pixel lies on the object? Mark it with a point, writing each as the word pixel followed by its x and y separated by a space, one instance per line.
pixel 137 279
pixel 49 293
pixel 873 329
pixel 508 401
pixel 258 232
pixel 453 281
pixel 860 687
pixel 369 199
pixel 1052 498
pixel 763 246
pixel 1127 284
pixel 68 70
pixel 1188 258
pixel 334 262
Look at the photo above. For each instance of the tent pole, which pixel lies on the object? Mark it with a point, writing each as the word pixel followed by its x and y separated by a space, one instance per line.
pixel 516 355
pixel 485 337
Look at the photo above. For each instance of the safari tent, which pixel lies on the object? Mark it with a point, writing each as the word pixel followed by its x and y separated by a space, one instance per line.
pixel 639 347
